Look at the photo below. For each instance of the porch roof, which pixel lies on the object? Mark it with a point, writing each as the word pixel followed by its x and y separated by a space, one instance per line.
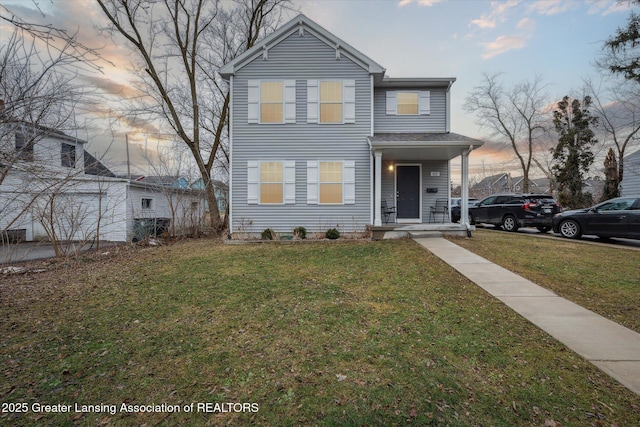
pixel 433 146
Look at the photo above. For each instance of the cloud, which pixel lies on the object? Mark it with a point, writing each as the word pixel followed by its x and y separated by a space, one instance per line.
pixel 402 3
pixel 526 24
pixel 112 87
pixel 551 7
pixel 498 13
pixel 503 44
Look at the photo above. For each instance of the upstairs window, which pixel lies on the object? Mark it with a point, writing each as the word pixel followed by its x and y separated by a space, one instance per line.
pixel 68 155
pixel 271 101
pixel 23 147
pixel 408 103
pixel 331 102
pixel 147 204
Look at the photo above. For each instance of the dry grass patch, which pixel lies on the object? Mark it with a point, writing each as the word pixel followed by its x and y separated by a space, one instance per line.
pixel 603 279
pixel 357 333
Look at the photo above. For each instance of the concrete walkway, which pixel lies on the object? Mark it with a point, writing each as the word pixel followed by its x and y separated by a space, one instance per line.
pixel 609 346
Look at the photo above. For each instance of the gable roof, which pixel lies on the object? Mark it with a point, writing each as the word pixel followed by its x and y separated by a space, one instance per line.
pixel 301 24
pixel 93 166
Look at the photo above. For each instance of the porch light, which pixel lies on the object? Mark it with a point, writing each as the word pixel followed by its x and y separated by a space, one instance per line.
pixel 391 168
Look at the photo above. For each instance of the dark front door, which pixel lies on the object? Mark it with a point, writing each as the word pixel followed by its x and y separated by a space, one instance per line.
pixel 408 192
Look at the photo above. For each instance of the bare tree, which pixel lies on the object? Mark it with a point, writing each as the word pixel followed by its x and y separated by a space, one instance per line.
pixel 617 107
pixel 180 45
pixel 517 116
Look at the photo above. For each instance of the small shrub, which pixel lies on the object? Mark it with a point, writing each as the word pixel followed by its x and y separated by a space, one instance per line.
pixel 332 234
pixel 268 234
pixel 300 232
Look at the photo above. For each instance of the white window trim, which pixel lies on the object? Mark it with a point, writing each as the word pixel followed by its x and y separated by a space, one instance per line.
pixel 254 101
pixel 348 101
pixel 424 102
pixel 348 182
pixel 288 182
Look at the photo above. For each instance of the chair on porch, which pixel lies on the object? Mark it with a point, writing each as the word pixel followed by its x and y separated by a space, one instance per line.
pixel 387 211
pixel 440 208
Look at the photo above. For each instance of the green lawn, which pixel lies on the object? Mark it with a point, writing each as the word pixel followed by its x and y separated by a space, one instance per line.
pixel 603 279
pixel 330 334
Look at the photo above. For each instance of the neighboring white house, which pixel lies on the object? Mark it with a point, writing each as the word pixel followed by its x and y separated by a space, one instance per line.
pixel 630 185
pixel 51 187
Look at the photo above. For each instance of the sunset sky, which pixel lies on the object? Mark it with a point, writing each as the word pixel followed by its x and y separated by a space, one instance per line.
pixel 556 39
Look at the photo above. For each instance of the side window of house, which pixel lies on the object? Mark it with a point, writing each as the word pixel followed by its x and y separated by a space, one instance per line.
pixel 331 101
pixel 408 103
pixel 147 204
pixel 271 182
pixel 331 182
pixel 68 155
pixel 271 102
pixel 23 148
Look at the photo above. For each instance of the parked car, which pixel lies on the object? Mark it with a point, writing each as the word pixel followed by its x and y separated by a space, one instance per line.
pixel 619 217
pixel 455 207
pixel 512 211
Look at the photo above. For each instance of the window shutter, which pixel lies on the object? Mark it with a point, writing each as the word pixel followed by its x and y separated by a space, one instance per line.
pixel 349 98
pixel 312 182
pixel 253 101
pixel 289 101
pixel 253 173
pixel 392 103
pixel 424 102
pixel 349 171
pixel 290 182
pixel 312 101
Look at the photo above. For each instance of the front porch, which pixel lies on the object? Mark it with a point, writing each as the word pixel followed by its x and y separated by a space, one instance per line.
pixel 400 231
pixel 412 178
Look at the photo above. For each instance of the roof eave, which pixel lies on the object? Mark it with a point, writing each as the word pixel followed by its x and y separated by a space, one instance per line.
pixel 229 69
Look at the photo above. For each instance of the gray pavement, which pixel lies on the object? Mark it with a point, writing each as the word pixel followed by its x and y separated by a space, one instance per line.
pixel 30 251
pixel 611 347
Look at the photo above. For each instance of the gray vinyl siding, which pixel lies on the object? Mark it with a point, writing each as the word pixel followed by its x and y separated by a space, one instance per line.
pixel 440 182
pixel 433 122
pixel 301 58
pixel 631 178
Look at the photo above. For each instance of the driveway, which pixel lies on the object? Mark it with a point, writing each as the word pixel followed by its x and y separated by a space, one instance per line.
pixel 30 251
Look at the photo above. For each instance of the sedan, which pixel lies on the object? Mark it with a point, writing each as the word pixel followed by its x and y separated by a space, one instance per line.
pixel 619 217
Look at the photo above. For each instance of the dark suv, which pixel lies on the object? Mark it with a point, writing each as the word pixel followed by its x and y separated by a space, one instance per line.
pixel 512 211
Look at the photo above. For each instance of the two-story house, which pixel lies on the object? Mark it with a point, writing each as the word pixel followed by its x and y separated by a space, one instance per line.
pixel 320 137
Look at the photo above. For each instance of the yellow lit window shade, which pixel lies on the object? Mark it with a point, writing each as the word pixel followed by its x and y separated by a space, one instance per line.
pixel 271 92
pixel 331 102
pixel 330 172
pixel 271 102
pixel 271 113
pixel 330 182
pixel 407 103
pixel 271 190
pixel 331 92
pixel 270 193
pixel 330 113
pixel 331 193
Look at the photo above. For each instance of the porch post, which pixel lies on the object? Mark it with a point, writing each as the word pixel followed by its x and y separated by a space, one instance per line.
pixel 464 203
pixel 377 221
